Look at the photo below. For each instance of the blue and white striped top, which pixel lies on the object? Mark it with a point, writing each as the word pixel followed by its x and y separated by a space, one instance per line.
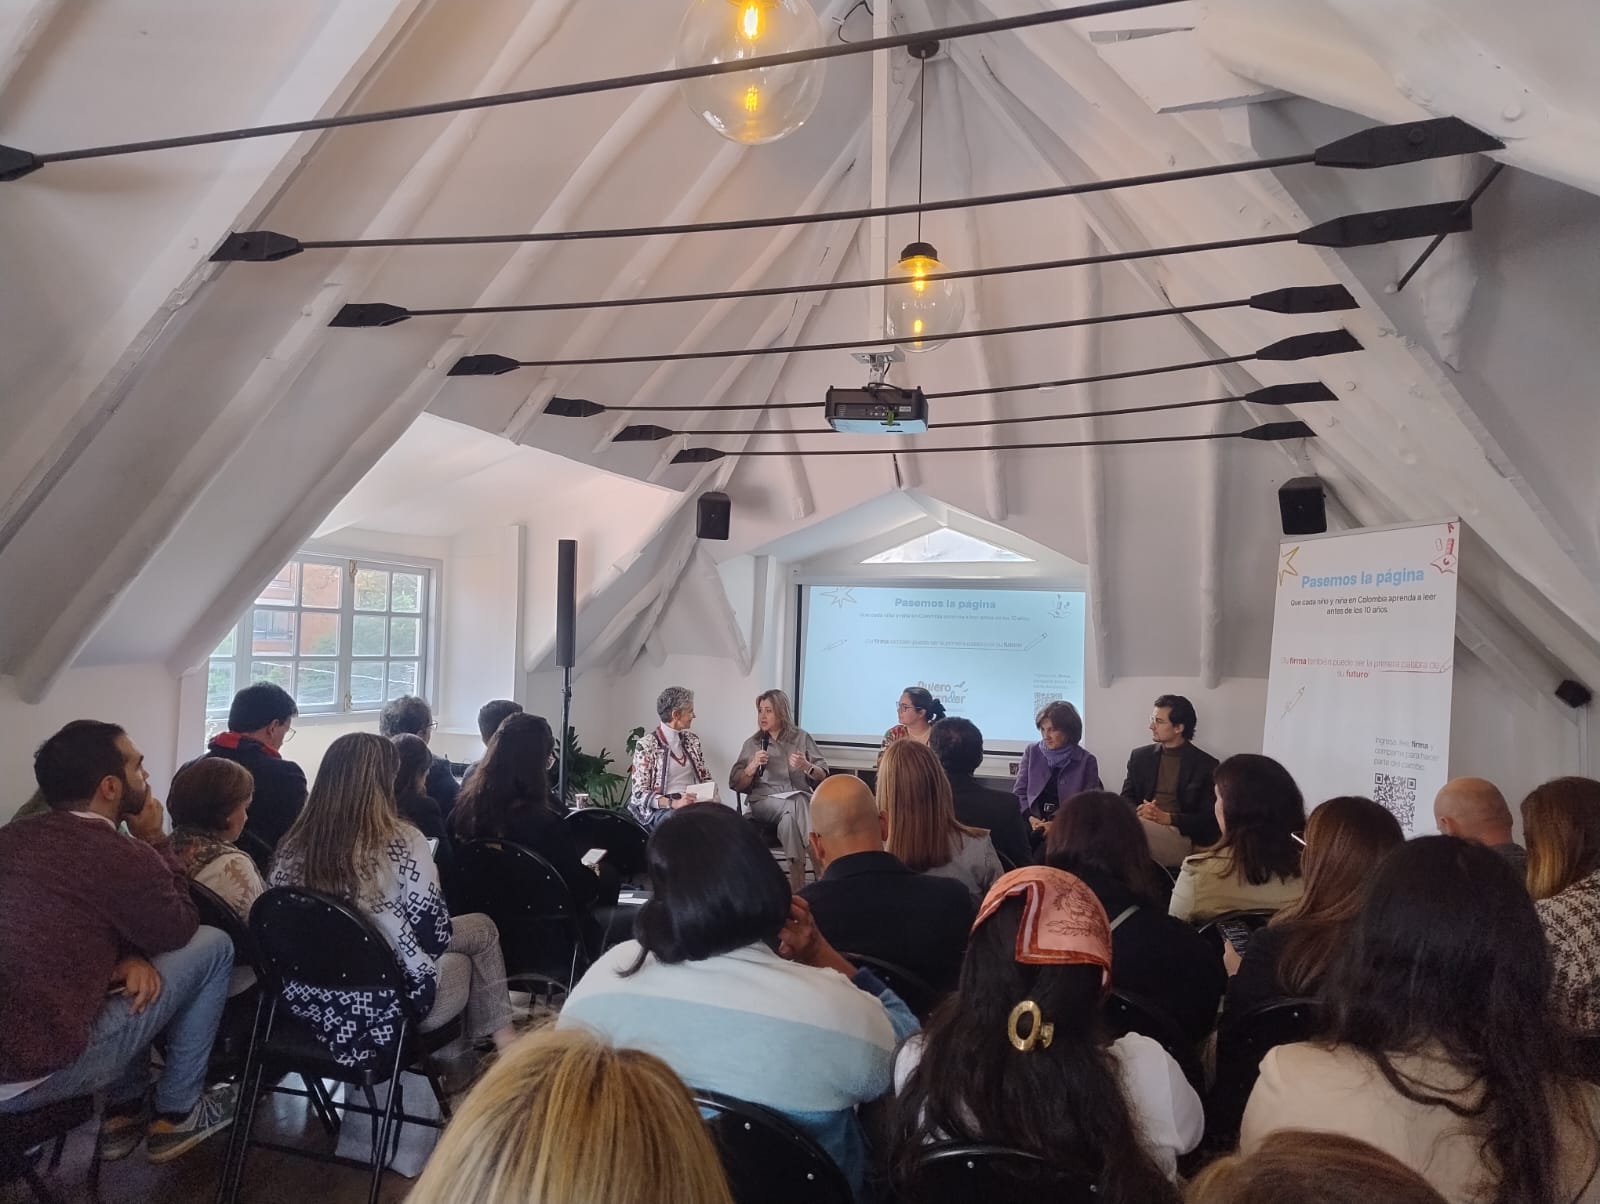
pixel 804 1042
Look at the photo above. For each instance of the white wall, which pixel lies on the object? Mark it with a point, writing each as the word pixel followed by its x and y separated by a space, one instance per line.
pixel 482 638
pixel 142 698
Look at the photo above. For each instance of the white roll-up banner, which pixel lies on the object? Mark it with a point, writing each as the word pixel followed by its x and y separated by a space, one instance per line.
pixel 1363 655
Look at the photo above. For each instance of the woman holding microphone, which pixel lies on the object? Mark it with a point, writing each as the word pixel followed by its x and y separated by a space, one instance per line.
pixel 778 768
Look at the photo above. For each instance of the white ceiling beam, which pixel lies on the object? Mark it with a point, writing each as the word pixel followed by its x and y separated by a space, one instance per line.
pixel 1173 73
pixel 1208 513
pixel 21 27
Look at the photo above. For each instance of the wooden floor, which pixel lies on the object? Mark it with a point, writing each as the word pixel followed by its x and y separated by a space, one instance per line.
pixel 270 1177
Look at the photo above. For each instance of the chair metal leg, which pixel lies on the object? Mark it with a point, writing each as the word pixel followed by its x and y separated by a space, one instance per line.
pixel 321 1104
pixel 382 1144
pixel 55 1154
pixel 239 1132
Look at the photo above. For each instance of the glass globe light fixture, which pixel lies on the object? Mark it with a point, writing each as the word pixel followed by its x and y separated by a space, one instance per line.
pixel 763 105
pixel 917 306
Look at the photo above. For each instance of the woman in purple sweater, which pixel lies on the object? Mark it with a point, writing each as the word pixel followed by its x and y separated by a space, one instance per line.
pixel 1057 766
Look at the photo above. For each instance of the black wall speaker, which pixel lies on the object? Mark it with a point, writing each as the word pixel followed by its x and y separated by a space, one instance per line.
pixel 1302 506
pixel 1574 693
pixel 712 516
pixel 566 603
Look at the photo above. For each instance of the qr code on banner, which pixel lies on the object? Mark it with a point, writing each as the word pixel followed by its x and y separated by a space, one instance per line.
pixel 1398 794
pixel 1040 701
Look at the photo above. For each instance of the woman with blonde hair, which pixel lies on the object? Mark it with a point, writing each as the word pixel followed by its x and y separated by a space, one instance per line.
pixel 914 794
pixel 564 1118
pixel 350 842
pixel 778 768
pixel 1561 823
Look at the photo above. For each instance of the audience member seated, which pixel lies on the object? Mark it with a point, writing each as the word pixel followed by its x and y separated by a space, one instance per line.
pixel 350 843
pixel 702 989
pixel 490 716
pixel 870 902
pixel 1346 838
pixel 914 796
pixel 209 801
pixel 668 762
pixel 1443 1049
pixel 1294 1166
pixel 409 715
pixel 1018 1056
pixel 1055 767
pixel 101 952
pixel 1255 863
pixel 1561 821
pixel 959 746
pixel 1169 781
pixel 411 797
pixel 777 770
pixel 1474 809
pixel 563 1118
pixel 509 799
pixel 259 722
pixel 1098 839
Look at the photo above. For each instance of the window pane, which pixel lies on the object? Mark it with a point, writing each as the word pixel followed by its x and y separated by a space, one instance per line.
pixel 228 642
pixel 403 636
pixel 366 683
pixel 367 638
pixel 408 593
pixel 219 686
pixel 281 590
pixel 402 678
pixel 321 585
pixel 372 589
pixel 279 673
pixel 318 684
pixel 319 634
pixel 272 633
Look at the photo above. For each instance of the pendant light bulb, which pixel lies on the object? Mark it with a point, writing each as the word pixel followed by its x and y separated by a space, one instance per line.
pixel 917 306
pixel 751 107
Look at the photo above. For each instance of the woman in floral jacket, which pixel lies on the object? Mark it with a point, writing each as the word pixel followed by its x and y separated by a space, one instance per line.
pixel 668 762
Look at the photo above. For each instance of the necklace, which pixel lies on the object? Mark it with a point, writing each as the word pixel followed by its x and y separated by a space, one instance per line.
pixel 681 758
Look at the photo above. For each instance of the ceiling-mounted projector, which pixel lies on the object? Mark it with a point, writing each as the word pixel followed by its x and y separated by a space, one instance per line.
pixel 877 409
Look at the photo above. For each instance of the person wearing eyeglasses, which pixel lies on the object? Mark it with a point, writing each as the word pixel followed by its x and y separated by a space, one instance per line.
pixel 410 715
pixel 260 723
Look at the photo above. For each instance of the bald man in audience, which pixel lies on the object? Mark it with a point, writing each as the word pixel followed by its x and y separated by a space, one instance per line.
pixel 871 903
pixel 1475 810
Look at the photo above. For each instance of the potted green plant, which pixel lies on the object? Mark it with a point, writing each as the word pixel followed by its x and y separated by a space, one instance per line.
pixel 591 773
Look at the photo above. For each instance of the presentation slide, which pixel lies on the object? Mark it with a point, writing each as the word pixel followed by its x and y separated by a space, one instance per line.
pixel 994 656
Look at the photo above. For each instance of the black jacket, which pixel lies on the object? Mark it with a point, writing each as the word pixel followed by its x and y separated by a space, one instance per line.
pixel 1196 815
pixel 996 812
pixel 544 831
pixel 1163 959
pixel 873 904
pixel 280 786
pixel 441 786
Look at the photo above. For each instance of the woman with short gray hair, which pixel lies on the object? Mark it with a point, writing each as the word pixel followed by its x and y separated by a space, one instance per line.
pixel 668 762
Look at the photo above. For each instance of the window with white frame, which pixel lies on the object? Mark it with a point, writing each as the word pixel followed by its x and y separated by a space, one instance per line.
pixel 339 635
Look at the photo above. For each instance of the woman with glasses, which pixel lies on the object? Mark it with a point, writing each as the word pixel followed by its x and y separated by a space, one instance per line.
pixel 916 713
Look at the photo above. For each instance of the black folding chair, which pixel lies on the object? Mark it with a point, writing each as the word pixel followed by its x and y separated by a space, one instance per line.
pixel 621 836
pixel 25 1136
pixel 963 1174
pixel 766 1158
pixel 259 850
pixel 917 993
pixel 541 928
pixel 768 829
pixel 316 940
pixel 1242 1041
pixel 1125 1012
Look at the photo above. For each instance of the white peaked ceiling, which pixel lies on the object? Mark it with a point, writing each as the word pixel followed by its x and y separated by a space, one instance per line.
pixel 173 429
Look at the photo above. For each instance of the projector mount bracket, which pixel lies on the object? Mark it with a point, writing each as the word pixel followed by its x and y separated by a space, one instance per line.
pixel 878 362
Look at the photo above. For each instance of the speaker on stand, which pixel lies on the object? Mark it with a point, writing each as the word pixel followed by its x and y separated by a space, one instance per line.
pixel 566 646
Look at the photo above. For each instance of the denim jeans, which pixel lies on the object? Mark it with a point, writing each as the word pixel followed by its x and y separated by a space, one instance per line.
pixel 194 987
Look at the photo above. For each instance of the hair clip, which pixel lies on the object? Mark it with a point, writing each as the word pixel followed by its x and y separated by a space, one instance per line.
pixel 1039 1033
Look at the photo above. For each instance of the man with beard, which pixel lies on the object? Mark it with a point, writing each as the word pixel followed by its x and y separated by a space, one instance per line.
pixel 101 952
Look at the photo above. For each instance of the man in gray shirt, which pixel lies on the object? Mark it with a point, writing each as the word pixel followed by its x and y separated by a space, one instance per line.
pixel 1474 809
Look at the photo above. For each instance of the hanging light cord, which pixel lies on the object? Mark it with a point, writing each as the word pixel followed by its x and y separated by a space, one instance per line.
pixel 922 125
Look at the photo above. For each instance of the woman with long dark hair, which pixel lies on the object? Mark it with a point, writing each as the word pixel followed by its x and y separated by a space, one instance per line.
pixel 1099 839
pixel 1255 863
pixel 1561 822
pixel 411 798
pixel 1442 1047
pixel 1018 1056
pixel 509 798
pixel 1346 838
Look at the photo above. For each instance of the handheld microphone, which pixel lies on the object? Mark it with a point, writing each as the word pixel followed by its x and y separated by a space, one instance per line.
pixel 766 742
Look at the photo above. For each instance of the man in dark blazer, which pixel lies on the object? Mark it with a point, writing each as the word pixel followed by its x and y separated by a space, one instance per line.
pixel 959 746
pixel 260 720
pixel 1170 783
pixel 870 902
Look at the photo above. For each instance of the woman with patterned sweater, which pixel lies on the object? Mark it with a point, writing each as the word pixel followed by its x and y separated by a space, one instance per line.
pixel 1561 823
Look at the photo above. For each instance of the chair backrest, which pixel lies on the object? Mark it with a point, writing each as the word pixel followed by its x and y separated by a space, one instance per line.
pixel 962 1174
pixel 1125 1013
pixel 1242 1041
pixel 320 941
pixel 503 878
pixel 215 913
pixel 258 850
pixel 621 836
pixel 919 995
pixel 767 1159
